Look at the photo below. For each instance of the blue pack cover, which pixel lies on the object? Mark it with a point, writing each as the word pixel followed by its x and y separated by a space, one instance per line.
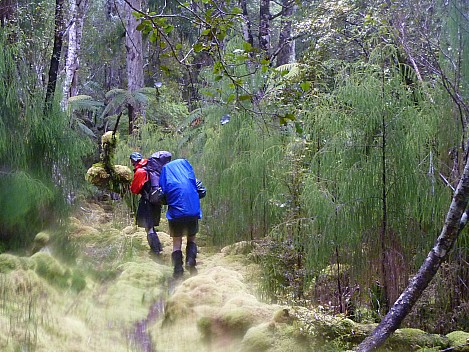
pixel 178 183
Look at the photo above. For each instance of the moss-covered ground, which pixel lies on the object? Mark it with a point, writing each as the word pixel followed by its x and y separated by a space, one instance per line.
pixel 112 294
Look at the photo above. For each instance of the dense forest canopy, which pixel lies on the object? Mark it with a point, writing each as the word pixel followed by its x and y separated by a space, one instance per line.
pixel 333 134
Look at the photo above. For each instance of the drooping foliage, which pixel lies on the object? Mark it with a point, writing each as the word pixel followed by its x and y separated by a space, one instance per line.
pixel 40 156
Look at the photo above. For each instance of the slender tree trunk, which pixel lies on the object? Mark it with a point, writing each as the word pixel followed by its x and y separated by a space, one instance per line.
pixel 455 221
pixel 78 9
pixel 264 27
pixel 384 220
pixel 247 31
pixel 286 53
pixel 6 11
pixel 56 51
pixel 134 47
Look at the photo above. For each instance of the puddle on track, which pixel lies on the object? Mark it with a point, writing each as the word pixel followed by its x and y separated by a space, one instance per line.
pixel 139 338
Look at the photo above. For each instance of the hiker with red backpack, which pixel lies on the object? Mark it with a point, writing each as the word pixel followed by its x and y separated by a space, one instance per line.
pixel 182 192
pixel 145 182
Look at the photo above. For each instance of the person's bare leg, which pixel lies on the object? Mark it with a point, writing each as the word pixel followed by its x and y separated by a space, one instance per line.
pixel 177 243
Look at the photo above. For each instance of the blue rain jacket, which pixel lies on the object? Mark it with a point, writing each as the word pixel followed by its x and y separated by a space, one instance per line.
pixel 178 183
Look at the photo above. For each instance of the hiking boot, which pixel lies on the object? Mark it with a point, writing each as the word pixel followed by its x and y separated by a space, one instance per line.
pixel 154 243
pixel 176 257
pixel 191 254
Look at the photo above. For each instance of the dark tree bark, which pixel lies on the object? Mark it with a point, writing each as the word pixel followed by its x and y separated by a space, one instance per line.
pixel 264 27
pixel 286 53
pixel 455 221
pixel 56 51
pixel 6 11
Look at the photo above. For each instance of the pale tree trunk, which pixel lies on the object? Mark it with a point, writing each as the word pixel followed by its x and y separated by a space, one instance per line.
pixel 247 31
pixel 455 221
pixel 56 51
pixel 78 9
pixel 134 47
pixel 286 52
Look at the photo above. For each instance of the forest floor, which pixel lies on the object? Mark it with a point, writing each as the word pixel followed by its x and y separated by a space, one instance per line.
pixel 116 295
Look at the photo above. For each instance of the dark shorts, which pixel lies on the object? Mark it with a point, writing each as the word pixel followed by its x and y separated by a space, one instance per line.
pixel 183 228
pixel 148 215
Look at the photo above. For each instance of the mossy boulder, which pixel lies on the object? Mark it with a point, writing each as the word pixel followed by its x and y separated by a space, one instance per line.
pixel 243 247
pixel 414 339
pixel 335 330
pixel 259 338
pixel 277 336
pixel 459 341
pixel 50 269
pixel 10 262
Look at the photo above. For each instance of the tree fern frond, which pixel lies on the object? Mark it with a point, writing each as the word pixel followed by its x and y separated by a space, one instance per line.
pixel 84 129
pixel 140 97
pixel 290 71
pixel 115 92
pixel 149 91
pixel 84 102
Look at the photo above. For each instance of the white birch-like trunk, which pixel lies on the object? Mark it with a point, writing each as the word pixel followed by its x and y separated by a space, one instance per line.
pixel 134 48
pixel 286 52
pixel 78 9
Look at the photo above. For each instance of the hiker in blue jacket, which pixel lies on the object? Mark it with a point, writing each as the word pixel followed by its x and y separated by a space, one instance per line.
pixel 182 193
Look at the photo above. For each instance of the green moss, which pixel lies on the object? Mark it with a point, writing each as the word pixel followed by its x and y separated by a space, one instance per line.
pixel 50 269
pixel 40 241
pixel 258 339
pixel 9 262
pixel 237 321
pixel 412 339
pixel 204 326
pixel 459 340
pixel 78 281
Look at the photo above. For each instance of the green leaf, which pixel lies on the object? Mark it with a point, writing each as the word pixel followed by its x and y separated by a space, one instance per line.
pixel 289 116
pixel 231 97
pixel 305 85
pixel 153 37
pixel 245 97
pixel 168 29
pixel 217 78
pixel 208 93
pixel 236 11
pixel 198 47
pixel 298 128
pixel 247 47
pixel 206 31
pixel 163 44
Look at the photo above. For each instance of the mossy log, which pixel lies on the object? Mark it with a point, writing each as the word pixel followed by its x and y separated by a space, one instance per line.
pixel 334 329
